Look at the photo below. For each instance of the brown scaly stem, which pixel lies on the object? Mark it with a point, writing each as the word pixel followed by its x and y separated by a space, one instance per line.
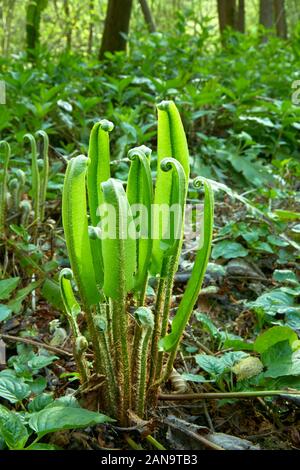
pixel 159 306
pixel 94 338
pixel 120 326
pixel 172 268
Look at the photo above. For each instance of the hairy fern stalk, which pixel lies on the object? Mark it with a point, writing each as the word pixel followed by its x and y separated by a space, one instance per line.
pixel 116 237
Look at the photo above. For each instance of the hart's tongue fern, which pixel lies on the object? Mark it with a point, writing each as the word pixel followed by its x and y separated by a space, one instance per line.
pixel 113 247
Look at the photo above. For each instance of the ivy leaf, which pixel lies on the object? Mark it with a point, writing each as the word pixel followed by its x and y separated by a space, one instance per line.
pixel 12 430
pixel 7 286
pixel 13 390
pixel 58 418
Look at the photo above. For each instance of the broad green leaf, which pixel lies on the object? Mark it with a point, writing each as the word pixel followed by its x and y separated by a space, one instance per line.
pixel 66 401
pixel 280 360
pixel 211 364
pixel 230 358
pixel 287 215
pixel 197 378
pixel 7 286
pixel 12 429
pixel 207 324
pixel 51 292
pixel 5 312
pixel 118 245
pixel 39 362
pixel 42 446
pixel 38 385
pixel 74 214
pixel 140 197
pixel 40 402
pixel 271 302
pixel 98 172
pixel 227 249
pixel 171 341
pixel 285 275
pixel 171 142
pixel 16 303
pixel 237 344
pixel 58 418
pixel 12 389
pixel 272 336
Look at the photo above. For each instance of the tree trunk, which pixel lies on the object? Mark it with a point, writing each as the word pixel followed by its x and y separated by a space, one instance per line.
pixel 68 24
pixel 266 13
pixel 280 18
pixel 33 19
pixel 226 13
pixel 116 22
pixel 91 26
pixel 148 16
pixel 240 20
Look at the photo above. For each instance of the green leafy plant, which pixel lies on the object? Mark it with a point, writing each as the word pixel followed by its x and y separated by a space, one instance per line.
pixel 135 353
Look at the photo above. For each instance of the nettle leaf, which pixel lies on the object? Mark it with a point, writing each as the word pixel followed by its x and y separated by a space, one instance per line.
pixel 16 304
pixel 12 389
pixel 58 418
pixel 227 249
pixel 274 335
pixel 281 361
pixel 213 365
pixel 7 286
pixel 12 429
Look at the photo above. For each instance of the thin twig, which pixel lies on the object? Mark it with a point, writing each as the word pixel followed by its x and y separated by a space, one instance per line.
pixel 61 352
pixel 194 435
pixel 219 395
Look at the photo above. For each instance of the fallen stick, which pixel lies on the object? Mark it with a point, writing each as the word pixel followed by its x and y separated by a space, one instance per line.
pixel 220 395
